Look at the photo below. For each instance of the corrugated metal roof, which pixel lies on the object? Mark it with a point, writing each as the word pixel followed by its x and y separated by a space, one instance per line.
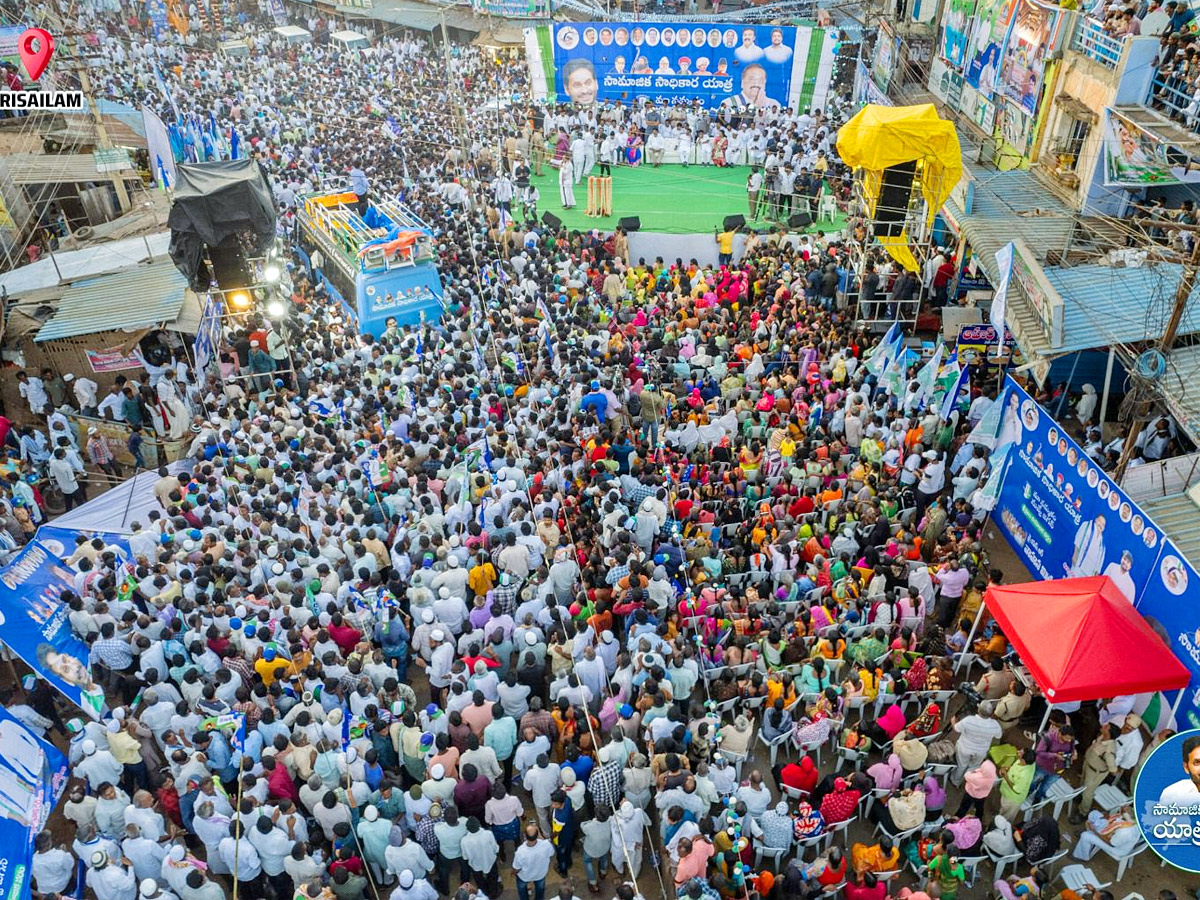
pixel 413 16
pixel 65 168
pixel 89 262
pixel 1177 517
pixel 1180 387
pixel 1105 305
pixel 1102 304
pixel 138 298
pixel 1009 205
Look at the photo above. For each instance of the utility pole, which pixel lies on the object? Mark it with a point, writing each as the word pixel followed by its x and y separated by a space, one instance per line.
pixel 458 110
pixel 102 138
pixel 1187 281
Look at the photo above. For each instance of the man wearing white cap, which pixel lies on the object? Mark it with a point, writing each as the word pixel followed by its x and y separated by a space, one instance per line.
pixel 440 662
pixel 98 766
pixel 149 890
pixel 628 833
pixel 373 833
pixel 409 887
pixel 438 787
pixel 454 578
pixel 110 880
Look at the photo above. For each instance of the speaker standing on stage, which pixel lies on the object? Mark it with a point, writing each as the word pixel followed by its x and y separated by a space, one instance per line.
pixel 566 190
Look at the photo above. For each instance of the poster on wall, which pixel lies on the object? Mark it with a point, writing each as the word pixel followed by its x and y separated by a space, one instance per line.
pixel 866 91
pixel 110 360
pixel 36 626
pixel 887 53
pixel 668 62
pixel 946 83
pixel 985 44
pixel 1136 158
pixel 1016 127
pixel 1023 61
pixel 956 24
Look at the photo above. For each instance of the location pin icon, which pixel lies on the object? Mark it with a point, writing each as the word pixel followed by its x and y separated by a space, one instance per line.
pixel 35 60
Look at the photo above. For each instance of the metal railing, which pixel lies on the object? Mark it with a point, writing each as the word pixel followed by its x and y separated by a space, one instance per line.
pixel 1161 479
pixel 1098 45
pixel 1167 96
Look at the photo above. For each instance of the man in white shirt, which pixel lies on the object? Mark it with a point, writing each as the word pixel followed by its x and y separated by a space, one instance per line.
pixel 531 863
pixel 754 182
pixel 243 861
pixel 1119 573
pixel 110 880
pixel 86 392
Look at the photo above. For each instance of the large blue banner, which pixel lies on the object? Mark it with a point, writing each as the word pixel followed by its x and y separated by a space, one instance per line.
pixel 35 625
pixel 743 66
pixel 33 776
pixel 1066 518
pixel 1171 604
pixel 1061 513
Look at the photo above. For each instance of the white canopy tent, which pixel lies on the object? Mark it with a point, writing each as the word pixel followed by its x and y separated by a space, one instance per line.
pixel 115 509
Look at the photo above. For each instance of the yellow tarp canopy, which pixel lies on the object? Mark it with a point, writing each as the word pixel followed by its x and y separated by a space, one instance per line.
pixel 882 136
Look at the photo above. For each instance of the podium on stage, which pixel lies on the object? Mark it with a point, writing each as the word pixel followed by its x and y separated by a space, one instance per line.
pixel 599 196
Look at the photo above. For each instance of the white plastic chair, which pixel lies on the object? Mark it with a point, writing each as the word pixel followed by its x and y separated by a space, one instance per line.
pixel 1110 798
pixel 1076 877
pixel 776 854
pixel 774 745
pixel 841 828
pixel 1123 861
pixel 1003 862
pixel 802 845
pixel 900 836
pixel 809 747
pixel 795 793
pixel 827 208
pixel 970 866
pixel 845 755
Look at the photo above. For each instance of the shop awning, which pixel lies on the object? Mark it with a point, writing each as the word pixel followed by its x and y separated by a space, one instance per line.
pixel 136 298
pixel 1081 639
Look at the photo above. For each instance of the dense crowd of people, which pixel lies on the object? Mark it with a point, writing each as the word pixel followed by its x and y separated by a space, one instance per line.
pixel 555 581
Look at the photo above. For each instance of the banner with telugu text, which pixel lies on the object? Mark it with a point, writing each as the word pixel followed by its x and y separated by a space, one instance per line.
pixel 33 776
pixel 1065 517
pixel 35 626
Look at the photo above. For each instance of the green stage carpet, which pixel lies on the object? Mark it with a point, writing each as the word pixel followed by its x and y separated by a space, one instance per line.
pixel 668 199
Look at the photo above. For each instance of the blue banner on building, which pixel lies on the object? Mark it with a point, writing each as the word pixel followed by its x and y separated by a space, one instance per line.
pixel 1066 518
pixel 742 66
pixel 33 776
pixel 35 626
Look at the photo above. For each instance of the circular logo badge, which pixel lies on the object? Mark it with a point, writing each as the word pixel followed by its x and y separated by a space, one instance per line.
pixel 1166 802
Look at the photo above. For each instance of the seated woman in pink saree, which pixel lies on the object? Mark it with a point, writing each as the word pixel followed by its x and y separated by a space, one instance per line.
pixel 720 145
pixel 633 148
pixel 562 147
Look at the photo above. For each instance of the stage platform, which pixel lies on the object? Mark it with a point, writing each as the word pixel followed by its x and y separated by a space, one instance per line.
pixel 671 199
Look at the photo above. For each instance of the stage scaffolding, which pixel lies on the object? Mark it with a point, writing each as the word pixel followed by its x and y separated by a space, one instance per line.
pixel 900 214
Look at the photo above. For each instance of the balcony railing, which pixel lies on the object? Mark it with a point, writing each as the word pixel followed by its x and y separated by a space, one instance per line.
pixel 1097 44
pixel 1169 95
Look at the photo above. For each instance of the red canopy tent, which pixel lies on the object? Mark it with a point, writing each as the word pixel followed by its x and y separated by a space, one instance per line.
pixel 1082 639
